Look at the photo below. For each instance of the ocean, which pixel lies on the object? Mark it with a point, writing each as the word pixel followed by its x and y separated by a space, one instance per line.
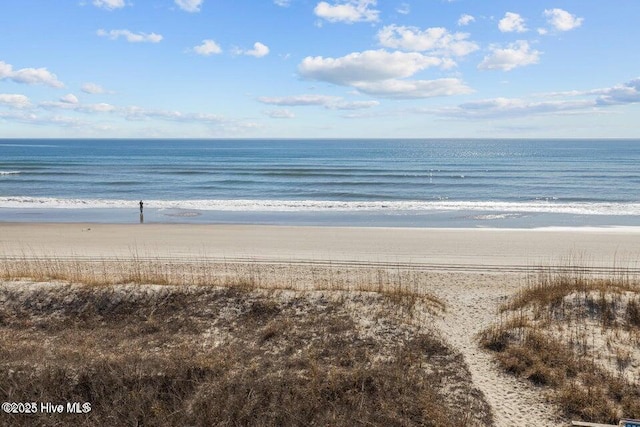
pixel 425 183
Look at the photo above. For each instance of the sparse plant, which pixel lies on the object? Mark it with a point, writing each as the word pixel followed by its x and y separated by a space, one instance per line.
pixel 572 334
pixel 227 344
pixel 633 312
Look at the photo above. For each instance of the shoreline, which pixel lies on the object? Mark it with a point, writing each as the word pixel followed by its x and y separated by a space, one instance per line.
pixel 437 219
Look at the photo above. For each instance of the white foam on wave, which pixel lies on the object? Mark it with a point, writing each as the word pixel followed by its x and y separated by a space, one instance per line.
pixel 9 172
pixel 496 216
pixel 578 208
pixel 621 229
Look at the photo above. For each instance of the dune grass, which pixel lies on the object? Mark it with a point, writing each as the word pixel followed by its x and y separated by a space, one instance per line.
pixel 578 336
pixel 404 286
pixel 168 345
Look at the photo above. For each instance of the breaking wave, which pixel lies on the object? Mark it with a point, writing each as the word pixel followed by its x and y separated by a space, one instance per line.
pixel 540 206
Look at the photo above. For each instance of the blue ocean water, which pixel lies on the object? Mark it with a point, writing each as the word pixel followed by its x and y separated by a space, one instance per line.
pixel 371 182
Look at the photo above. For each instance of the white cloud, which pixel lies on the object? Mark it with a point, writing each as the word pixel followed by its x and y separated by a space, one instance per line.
pixel 379 73
pixel 562 20
pixel 130 36
pixel 135 113
pixel 354 105
pixel 6 70
pixel 30 76
pixel 14 100
pixel 36 76
pixel 92 88
pixel 213 120
pixel 101 107
pixel 512 22
pixel 282 3
pixel 61 115
pixel 348 11
pixel 404 9
pixel 370 65
pixel 326 101
pixel 299 100
pixel 593 100
pixel 280 114
pixel 109 4
pixel 627 93
pixel 69 99
pixel 465 20
pixel 511 107
pixel 435 39
pixel 189 5
pixel 67 104
pixel 259 50
pixel 34 119
pixel 411 89
pixel 515 55
pixel 208 47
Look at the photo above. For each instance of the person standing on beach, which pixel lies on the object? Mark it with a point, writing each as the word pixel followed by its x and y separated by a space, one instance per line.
pixel 141 206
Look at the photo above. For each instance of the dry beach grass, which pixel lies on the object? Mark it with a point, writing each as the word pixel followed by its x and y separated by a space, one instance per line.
pixel 227 345
pixel 576 336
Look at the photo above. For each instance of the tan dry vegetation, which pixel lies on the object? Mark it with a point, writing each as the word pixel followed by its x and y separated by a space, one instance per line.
pixel 577 336
pixel 230 345
pixel 400 284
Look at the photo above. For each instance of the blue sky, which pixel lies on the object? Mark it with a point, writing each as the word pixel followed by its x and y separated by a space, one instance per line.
pixel 319 69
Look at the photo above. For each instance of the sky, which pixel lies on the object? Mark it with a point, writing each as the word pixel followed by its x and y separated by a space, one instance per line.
pixel 319 69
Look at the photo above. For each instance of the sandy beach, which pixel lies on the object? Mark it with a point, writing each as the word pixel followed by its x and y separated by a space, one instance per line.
pixel 471 270
pixel 482 248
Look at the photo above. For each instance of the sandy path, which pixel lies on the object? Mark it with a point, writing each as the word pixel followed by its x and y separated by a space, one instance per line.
pixel 472 301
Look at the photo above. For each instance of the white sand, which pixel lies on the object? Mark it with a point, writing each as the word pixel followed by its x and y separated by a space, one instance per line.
pixel 456 247
pixel 514 402
pixel 472 270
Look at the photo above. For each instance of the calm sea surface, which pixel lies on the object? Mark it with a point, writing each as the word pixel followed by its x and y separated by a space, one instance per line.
pixel 532 182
